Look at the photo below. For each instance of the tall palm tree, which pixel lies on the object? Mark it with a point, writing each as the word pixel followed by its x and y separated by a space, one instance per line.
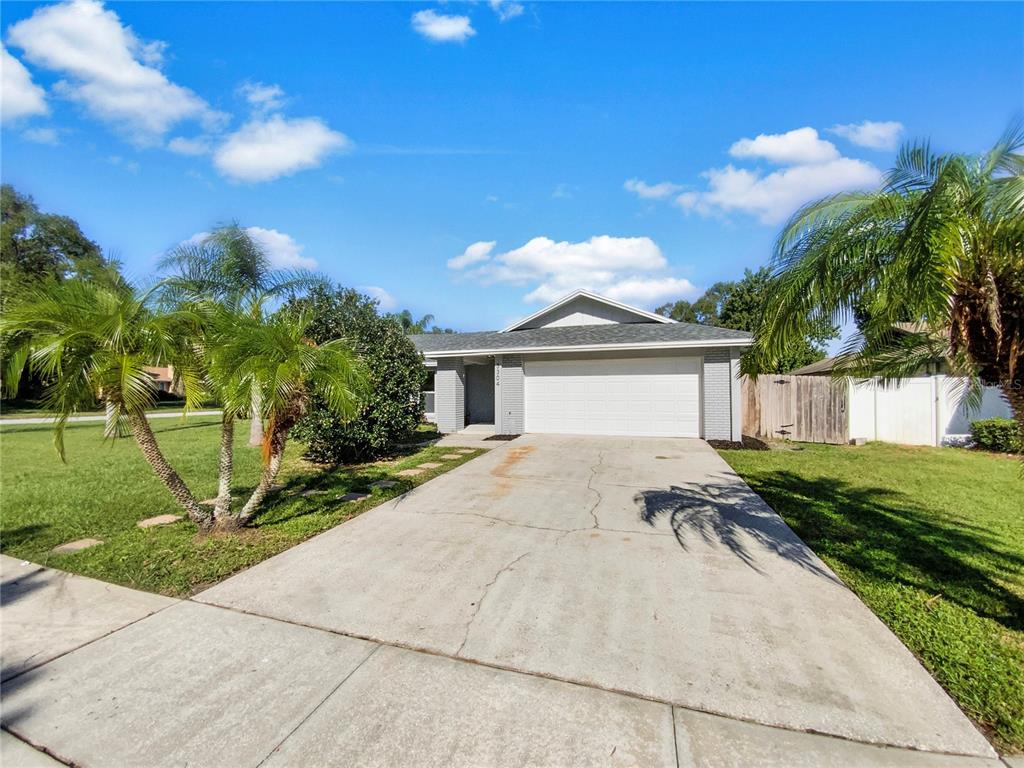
pixel 933 262
pixel 231 268
pixel 274 356
pixel 92 341
pixel 411 325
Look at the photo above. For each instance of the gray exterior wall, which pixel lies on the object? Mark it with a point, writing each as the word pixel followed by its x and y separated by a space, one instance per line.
pixel 450 395
pixel 737 393
pixel 717 395
pixel 508 395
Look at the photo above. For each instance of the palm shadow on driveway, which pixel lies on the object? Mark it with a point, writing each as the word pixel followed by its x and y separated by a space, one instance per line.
pixel 728 513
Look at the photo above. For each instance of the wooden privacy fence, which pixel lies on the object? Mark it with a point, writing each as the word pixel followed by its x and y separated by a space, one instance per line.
pixel 812 409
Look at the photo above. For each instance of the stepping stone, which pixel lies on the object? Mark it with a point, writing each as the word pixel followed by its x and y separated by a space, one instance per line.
pixel 384 484
pixel 464 451
pixel 307 494
pixel 450 456
pixel 75 546
pixel 430 465
pixel 409 472
pixel 151 522
pixel 353 496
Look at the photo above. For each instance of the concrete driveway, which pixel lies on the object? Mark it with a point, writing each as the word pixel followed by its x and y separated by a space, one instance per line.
pixel 637 565
pixel 560 600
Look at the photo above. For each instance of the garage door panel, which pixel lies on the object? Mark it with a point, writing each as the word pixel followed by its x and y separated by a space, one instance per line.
pixel 636 396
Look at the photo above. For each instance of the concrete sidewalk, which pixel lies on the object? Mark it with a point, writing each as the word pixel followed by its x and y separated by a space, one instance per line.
pixel 199 685
pixel 99 417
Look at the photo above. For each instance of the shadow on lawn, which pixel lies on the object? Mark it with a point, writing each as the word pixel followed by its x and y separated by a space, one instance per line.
pixel 22 534
pixel 878 532
pixel 313 494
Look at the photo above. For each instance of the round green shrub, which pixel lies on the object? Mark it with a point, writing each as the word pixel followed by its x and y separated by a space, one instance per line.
pixel 394 408
pixel 1000 435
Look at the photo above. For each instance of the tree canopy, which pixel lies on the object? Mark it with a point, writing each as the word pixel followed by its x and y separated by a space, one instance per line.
pixel 37 246
pixel 739 305
pixel 931 265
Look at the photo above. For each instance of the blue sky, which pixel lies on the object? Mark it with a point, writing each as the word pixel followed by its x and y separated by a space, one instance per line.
pixel 475 160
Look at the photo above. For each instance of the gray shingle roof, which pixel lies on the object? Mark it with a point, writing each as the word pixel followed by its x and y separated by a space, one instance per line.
pixel 577 336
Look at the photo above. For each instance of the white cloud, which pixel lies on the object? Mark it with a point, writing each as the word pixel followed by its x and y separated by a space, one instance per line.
pixel 630 269
pixel 129 165
pixel 562 191
pixel 651 291
pixel 882 135
pixel 477 252
pixel 812 168
pixel 19 96
pixel 263 97
pixel 506 9
pixel 42 136
pixel 775 196
pixel 281 249
pixel 192 147
pixel 442 29
pixel 109 69
pixel 796 147
pixel 651 191
pixel 267 148
pixel 384 299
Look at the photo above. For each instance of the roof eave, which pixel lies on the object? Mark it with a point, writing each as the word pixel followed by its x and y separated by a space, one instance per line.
pixel 627 347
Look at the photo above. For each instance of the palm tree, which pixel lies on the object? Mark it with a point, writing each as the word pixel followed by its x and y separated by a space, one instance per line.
pixel 412 325
pixel 91 341
pixel 933 262
pixel 274 357
pixel 231 268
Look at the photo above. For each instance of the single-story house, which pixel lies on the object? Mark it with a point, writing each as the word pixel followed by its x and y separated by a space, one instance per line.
pixel 587 364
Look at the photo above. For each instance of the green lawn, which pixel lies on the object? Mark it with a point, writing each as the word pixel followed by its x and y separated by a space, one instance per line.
pixel 106 488
pixel 932 539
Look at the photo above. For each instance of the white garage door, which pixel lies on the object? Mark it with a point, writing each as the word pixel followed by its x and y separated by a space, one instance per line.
pixel 646 397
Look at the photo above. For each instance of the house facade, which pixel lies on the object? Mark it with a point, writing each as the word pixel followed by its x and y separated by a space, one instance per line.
pixel 587 364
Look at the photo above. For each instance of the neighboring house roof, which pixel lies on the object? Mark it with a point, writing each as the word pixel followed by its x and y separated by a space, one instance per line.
pixel 822 366
pixel 580 337
pixel 826 366
pixel 641 315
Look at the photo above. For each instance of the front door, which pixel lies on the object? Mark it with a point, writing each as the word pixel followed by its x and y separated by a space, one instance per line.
pixel 480 394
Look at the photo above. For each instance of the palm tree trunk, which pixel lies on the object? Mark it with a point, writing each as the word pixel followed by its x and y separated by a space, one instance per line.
pixel 262 488
pixel 143 435
pixel 1013 390
pixel 225 467
pixel 110 425
pixel 256 425
pixel 277 440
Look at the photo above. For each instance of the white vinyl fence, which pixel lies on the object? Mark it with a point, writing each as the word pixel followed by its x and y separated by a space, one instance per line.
pixel 930 410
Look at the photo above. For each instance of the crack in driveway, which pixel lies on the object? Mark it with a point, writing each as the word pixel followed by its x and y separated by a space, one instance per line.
pixel 480 601
pixel 590 487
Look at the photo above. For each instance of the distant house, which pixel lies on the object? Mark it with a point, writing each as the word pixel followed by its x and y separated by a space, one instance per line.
pixel 826 366
pixel 163 378
pixel 588 364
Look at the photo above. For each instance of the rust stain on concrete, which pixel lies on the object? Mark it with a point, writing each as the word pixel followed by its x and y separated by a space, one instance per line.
pixel 512 457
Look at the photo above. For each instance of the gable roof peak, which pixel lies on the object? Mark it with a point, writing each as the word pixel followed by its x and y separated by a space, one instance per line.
pixel 583 293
